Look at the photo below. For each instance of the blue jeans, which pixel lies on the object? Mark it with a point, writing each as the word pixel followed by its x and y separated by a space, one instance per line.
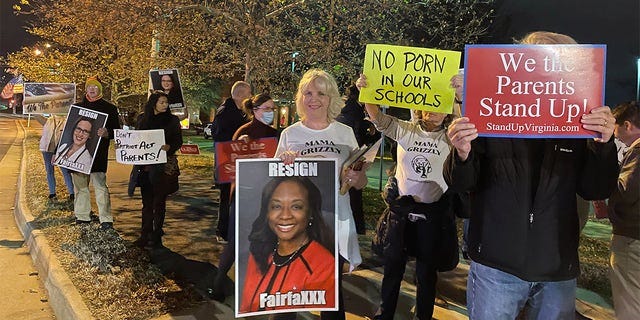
pixel 493 294
pixel 51 178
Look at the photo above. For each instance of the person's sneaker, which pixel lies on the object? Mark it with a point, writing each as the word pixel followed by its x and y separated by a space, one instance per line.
pixel 72 197
pixel 79 222
pixel 52 196
pixel 106 226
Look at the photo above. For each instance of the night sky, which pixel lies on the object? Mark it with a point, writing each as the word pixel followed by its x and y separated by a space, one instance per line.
pixel 12 29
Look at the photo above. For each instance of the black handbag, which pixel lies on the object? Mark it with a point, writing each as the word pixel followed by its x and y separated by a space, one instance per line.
pixel 389 235
pixel 448 256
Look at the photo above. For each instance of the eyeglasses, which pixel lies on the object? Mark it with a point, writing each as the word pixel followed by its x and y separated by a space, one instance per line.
pixel 264 108
pixel 80 130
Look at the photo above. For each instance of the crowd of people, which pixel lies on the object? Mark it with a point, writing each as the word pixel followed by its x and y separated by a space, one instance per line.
pixel 523 227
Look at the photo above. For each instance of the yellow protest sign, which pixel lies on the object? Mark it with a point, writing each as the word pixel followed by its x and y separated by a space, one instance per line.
pixel 410 77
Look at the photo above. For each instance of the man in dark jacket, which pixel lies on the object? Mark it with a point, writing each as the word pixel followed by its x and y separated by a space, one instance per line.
pixel 524 231
pixel 82 204
pixel 229 117
pixel 624 214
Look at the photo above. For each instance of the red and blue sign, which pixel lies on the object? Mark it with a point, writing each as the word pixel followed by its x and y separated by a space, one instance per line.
pixel 533 91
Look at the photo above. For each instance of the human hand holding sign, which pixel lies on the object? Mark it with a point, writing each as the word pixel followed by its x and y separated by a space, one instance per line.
pixel 103 132
pixel 600 120
pixel 354 176
pixel 288 157
pixel 461 132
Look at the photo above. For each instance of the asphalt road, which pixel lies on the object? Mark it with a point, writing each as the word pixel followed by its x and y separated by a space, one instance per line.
pixel 23 293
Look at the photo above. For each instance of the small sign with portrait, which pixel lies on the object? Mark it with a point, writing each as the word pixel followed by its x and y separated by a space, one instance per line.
pixel 167 81
pixel 286 245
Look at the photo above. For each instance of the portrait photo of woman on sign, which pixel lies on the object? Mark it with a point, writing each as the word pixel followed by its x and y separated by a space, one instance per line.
pixel 168 81
pixel 74 153
pixel 291 263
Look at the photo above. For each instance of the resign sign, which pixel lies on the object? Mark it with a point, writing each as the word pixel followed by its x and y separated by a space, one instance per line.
pixel 409 77
pixel 532 91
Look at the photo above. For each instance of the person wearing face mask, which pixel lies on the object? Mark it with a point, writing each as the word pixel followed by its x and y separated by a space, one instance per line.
pixel 260 108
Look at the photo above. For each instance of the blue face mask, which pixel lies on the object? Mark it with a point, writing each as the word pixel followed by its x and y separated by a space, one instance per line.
pixel 267 117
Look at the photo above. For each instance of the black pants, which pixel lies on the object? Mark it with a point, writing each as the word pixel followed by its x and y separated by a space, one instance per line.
pixel 154 207
pixel 421 237
pixel 228 256
pixel 355 198
pixel 337 315
pixel 223 210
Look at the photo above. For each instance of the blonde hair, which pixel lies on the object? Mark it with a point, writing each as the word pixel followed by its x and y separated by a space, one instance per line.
pixel 327 85
pixel 546 37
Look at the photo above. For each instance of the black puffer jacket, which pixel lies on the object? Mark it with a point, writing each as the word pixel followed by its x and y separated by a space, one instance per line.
pixel 532 235
pixel 228 119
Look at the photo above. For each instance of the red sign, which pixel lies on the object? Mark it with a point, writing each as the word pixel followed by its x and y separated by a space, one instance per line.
pixel 533 91
pixel 190 149
pixel 227 153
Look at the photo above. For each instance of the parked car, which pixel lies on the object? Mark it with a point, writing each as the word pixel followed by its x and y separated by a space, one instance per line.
pixel 198 128
pixel 207 131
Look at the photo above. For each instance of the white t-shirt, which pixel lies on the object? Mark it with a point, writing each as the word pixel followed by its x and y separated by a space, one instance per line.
pixel 421 156
pixel 336 141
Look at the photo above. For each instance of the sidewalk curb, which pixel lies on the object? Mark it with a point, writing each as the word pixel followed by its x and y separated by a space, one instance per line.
pixel 64 298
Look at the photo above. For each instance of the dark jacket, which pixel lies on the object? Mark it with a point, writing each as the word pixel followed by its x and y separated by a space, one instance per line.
pixel 392 240
pixel 173 137
pixel 530 234
pixel 256 130
pixel 624 204
pixel 228 119
pixel 113 122
pixel 352 114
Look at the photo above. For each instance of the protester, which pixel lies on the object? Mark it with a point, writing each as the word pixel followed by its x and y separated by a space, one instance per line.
pixel 228 119
pixel 74 153
pixel 261 109
pixel 317 134
pixel 51 133
pixel 352 114
pixel 624 214
pixel 290 246
pixel 93 100
pixel 523 232
pixel 155 182
pixel 422 149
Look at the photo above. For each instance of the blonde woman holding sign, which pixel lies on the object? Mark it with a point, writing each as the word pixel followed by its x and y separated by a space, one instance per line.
pixel 317 134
